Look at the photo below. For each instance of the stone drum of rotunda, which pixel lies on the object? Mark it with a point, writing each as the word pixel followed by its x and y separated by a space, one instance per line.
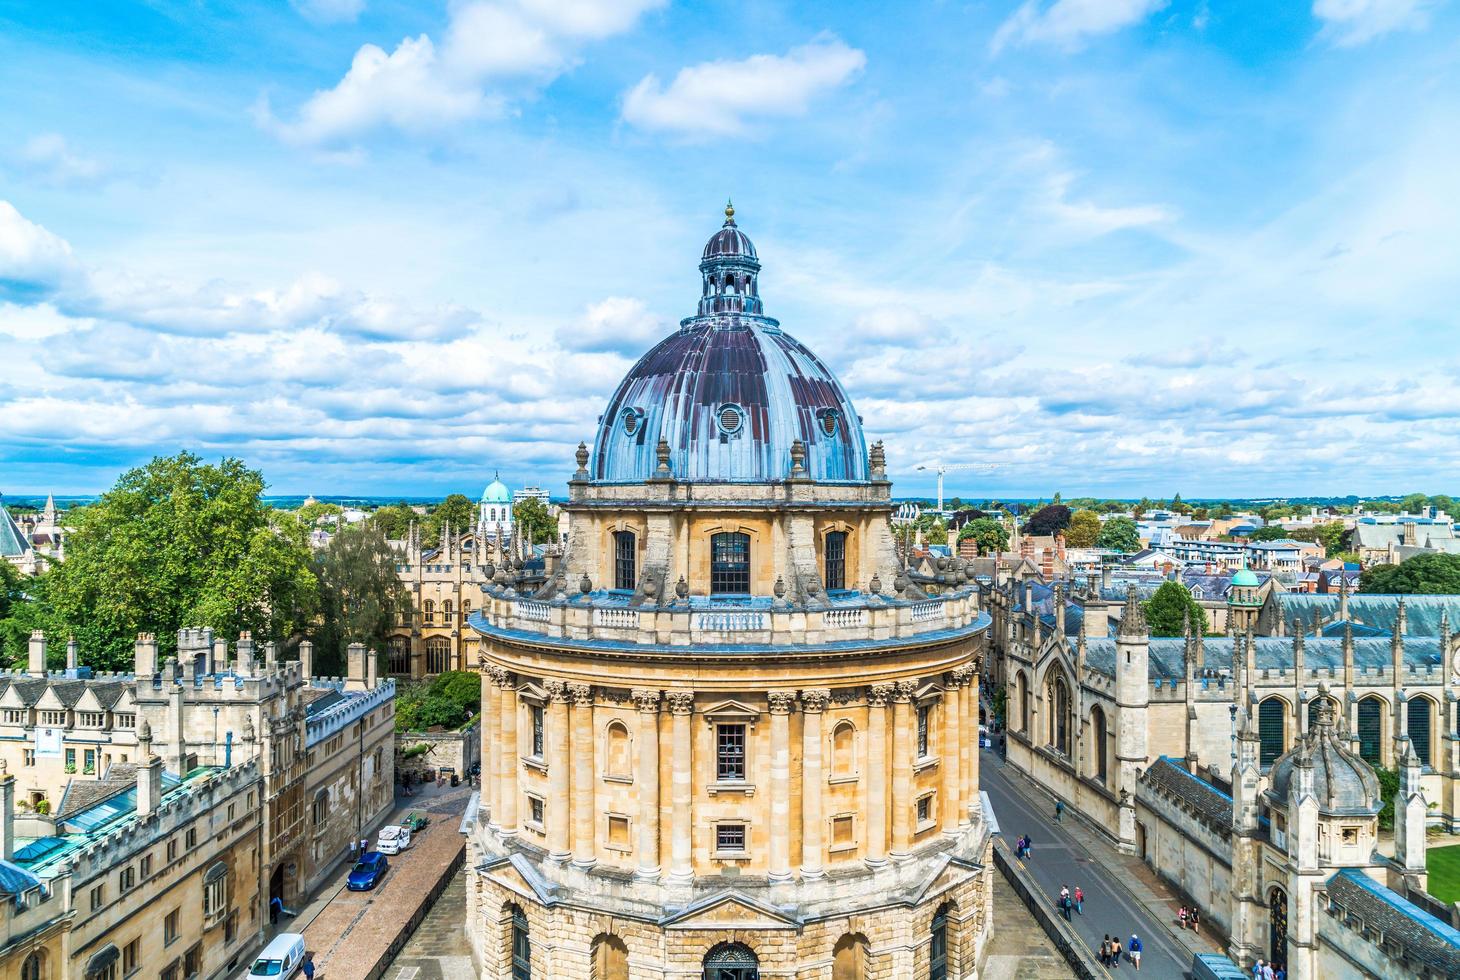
pixel 729 738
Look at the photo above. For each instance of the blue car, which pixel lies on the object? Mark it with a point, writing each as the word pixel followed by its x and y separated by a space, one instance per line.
pixel 366 874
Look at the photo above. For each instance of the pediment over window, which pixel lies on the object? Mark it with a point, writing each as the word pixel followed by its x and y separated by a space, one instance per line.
pixel 731 711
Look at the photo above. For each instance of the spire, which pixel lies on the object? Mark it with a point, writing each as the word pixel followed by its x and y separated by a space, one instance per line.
pixel 1133 617
pixel 729 212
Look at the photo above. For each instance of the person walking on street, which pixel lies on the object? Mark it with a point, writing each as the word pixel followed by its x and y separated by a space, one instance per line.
pixel 1181 916
pixel 1257 970
pixel 308 967
pixel 1115 952
pixel 276 905
pixel 1105 950
pixel 1028 847
pixel 1059 810
pixel 1135 950
pixel 1065 907
pixel 1079 900
pixel 1194 918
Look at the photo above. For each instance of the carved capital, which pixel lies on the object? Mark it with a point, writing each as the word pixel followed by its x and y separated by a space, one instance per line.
pixel 647 699
pixel 680 702
pixel 557 691
pixel 904 690
pixel 507 681
pixel 878 695
pixel 781 702
pixel 815 699
pixel 497 674
pixel 846 695
pixel 581 693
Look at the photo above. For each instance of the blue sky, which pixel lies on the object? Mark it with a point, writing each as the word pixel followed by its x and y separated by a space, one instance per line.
pixel 1116 246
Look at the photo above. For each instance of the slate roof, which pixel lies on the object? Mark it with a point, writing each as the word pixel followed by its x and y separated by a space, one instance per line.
pixel 12 540
pixel 1171 779
pixel 1168 654
pixel 1421 612
pixel 83 794
pixel 1425 937
pixel 1383 535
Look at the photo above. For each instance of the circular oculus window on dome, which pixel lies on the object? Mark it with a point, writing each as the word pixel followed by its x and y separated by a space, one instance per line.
pixel 829 420
pixel 631 419
pixel 731 419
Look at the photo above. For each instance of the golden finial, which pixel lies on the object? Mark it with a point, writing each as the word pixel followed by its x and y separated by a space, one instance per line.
pixel 729 210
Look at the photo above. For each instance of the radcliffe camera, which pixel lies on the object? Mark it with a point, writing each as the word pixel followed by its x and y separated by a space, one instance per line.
pixel 636 490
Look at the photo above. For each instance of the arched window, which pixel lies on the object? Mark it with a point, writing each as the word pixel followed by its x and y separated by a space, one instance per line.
pixel 849 957
pixel 730 563
pixel 1023 704
pixel 1418 727
pixel 1101 755
pixel 428 612
pixel 731 961
pixel 1371 729
pixel 610 958
pixel 400 655
pixel 446 610
pixel 438 655
pixel 1057 693
pixel 1271 729
pixel 844 750
pixel 617 750
pixel 34 967
pixel 938 946
pixel 521 946
pixel 625 558
pixel 1277 927
pixel 836 560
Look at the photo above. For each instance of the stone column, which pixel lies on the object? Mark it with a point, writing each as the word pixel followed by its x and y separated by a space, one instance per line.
pixel 559 763
pixel 902 761
pixel 876 768
pixel 507 756
pixel 950 765
pixel 681 861
pixel 813 781
pixel 491 746
pixel 648 779
pixel 585 812
pixel 780 858
pixel 971 748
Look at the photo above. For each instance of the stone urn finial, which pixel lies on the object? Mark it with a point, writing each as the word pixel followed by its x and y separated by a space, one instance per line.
pixel 813 587
pixel 650 586
pixel 582 456
pixel 681 588
pixel 585 584
pixel 798 459
pixel 877 460
pixel 876 584
pixel 779 588
pixel 661 453
pixel 899 584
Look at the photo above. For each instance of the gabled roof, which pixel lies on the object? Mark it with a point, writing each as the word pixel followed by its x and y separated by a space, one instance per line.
pixel 1421 612
pixel 1423 935
pixel 1171 779
pixel 13 542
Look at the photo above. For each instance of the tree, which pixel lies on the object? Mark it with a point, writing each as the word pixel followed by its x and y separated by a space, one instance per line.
pixel 1270 533
pixel 1432 574
pixel 1048 520
pixel 23 608
pixel 180 543
pixel 360 594
pixel 1388 793
pixel 1084 529
pixel 989 534
pixel 311 512
pixel 1167 611
pixel 1119 534
pixel 935 533
pixel 394 520
pixel 1331 536
pixel 533 519
pixel 457 511
pixel 449 700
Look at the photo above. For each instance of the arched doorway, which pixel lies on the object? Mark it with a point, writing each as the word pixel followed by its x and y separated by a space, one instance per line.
pixel 731 961
pixel 849 957
pixel 610 958
pixel 1277 928
pixel 276 883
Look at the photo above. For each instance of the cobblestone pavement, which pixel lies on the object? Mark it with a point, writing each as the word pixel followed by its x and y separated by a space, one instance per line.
pixel 1018 948
pixel 438 950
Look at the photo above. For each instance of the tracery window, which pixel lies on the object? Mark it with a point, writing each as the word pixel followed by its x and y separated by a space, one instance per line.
pixel 1271 729
pixel 1418 727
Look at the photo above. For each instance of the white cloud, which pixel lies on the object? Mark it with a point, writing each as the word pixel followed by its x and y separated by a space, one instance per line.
pixel 1350 22
pixel 724 98
pixel 330 11
pixel 615 324
pixel 418 88
pixel 1069 23
pixel 49 157
pixel 32 259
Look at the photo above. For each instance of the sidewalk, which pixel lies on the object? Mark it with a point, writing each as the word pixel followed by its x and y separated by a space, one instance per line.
pixel 1132 874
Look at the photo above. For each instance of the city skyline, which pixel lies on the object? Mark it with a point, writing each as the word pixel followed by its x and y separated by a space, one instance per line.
pixel 1113 245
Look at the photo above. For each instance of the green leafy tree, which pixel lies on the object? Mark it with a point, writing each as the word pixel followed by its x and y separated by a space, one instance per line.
pixel 394 520
pixel 1270 533
pixel 1414 502
pixel 23 608
pixel 1119 534
pixel 1432 574
pixel 1084 529
pixel 457 510
pixel 534 519
pixel 176 543
pixel 360 594
pixel 311 512
pixel 989 534
pixel 450 700
pixel 1166 611
pixel 1347 557
pixel 935 533
pixel 1388 793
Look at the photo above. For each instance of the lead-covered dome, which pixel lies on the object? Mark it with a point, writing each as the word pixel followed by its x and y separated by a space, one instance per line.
pixel 730 393
pixel 1343 783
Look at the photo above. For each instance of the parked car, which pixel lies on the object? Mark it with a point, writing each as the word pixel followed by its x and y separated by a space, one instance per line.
pixel 415 821
pixel 280 958
pixel 366 874
pixel 393 839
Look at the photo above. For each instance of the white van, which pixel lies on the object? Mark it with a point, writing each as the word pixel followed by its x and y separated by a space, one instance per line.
pixel 393 840
pixel 280 959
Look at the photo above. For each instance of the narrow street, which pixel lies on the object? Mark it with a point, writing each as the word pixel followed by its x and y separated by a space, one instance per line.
pixel 1058 860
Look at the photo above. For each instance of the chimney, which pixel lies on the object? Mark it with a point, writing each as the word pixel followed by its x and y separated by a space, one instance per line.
pixel 306 660
pixel 218 657
pixel 144 654
pixel 372 669
pixel 1105 574
pixel 149 774
pixel 73 656
pixel 245 653
pixel 7 813
pixel 37 654
pixel 355 667
pixel 271 654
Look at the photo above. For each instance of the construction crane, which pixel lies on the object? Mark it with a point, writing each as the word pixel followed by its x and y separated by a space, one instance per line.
pixel 942 468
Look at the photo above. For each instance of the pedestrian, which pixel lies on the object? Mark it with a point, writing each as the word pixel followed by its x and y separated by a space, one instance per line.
pixel 364 845
pixel 1115 952
pixel 1269 972
pixel 1194 918
pixel 276 905
pixel 1135 950
pixel 1280 974
pixel 1065 907
pixel 1181 916
pixel 1028 847
pixel 1079 900
pixel 1105 950
pixel 308 967
pixel 1059 809
pixel 1257 970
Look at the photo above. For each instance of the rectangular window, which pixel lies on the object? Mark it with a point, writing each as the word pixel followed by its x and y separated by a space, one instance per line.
pixel 71 759
pixel 923 713
pixel 618 832
pixel 537 713
pixel 130 955
pixel 625 554
pixel 14 716
pixel 98 897
pixel 146 865
pixel 170 972
pixel 126 720
pixel 193 962
pixel 53 719
pixel 192 838
pixel 29 757
pixel 91 719
pixel 171 851
pixel 537 808
pixel 127 880
pixel 169 927
pixel 230 928
pixel 730 563
pixel 215 896
pixel 836 560
pixel 730 752
pixel 730 837
pixel 842 832
pixel 925 810
pixel 90 758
